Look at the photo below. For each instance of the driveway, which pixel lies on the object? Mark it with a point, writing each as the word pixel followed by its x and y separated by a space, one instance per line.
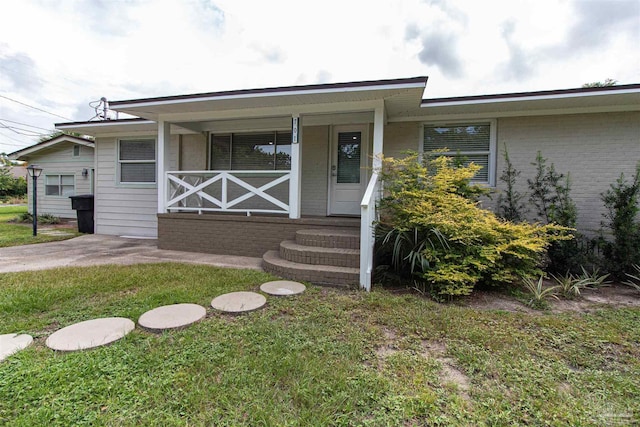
pixel 95 249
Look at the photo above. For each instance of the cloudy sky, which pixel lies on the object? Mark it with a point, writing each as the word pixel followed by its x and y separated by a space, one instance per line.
pixel 57 56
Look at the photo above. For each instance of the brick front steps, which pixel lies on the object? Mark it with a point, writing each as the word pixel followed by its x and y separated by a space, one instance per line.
pixel 321 256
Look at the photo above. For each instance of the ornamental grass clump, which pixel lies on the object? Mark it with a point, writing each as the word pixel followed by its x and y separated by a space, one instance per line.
pixel 455 244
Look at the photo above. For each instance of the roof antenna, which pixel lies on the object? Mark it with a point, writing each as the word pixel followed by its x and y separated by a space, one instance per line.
pixel 101 108
pixel 105 108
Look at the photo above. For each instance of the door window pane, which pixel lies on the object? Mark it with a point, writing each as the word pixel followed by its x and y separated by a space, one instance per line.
pixel 349 144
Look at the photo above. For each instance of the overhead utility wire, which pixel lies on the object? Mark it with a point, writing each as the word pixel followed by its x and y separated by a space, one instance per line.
pixel 20 143
pixel 25 124
pixel 8 126
pixel 36 108
pixel 13 129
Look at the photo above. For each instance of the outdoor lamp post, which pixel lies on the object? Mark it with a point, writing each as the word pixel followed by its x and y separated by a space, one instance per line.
pixel 34 173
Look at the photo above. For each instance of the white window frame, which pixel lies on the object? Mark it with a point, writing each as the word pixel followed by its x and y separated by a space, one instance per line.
pixel 59 175
pixel 119 162
pixel 493 144
pixel 73 150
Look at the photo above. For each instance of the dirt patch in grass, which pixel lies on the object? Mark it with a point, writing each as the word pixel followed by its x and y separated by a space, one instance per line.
pixel 450 374
pixel 389 347
pixel 617 295
pixel 494 300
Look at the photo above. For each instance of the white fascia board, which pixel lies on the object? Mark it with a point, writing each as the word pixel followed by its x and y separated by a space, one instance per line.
pixel 522 113
pixel 525 98
pixel 249 113
pixel 105 123
pixel 270 94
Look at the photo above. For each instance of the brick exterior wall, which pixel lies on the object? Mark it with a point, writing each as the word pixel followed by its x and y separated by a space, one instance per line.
pixel 235 234
pixel 593 148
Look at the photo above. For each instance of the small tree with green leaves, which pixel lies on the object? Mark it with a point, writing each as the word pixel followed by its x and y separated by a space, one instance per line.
pixel 620 241
pixel 608 82
pixel 542 188
pixel 551 195
pixel 510 205
pixel 11 186
pixel 452 244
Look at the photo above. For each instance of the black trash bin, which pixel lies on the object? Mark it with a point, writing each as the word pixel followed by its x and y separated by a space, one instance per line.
pixel 83 205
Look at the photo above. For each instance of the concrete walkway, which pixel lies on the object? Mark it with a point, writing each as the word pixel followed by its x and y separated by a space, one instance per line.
pixel 95 249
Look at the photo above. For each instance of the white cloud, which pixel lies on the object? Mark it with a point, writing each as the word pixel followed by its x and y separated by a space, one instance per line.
pixel 59 56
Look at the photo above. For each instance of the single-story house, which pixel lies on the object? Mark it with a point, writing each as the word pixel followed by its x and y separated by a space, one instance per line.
pixel 67 170
pixel 262 172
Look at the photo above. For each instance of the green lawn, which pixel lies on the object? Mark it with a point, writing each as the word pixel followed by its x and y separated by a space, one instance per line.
pixel 21 234
pixel 326 357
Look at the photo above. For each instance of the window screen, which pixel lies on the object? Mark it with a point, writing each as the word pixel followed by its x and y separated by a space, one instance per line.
pixel 470 141
pixel 137 159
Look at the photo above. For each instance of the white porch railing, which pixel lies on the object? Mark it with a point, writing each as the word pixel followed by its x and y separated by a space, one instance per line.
pixel 367 238
pixel 225 191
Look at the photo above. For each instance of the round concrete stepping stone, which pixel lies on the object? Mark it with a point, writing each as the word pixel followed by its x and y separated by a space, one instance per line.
pixel 90 334
pixel 238 302
pixel 13 343
pixel 171 316
pixel 282 288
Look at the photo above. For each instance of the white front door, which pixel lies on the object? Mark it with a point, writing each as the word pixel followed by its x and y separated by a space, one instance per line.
pixel 348 173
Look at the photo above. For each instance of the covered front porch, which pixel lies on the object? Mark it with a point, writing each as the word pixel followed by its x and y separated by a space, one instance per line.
pixel 317 179
pixel 241 172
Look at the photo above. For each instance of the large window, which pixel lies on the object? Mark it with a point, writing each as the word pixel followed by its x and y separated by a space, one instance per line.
pixel 251 151
pixel 60 185
pixel 137 160
pixel 471 141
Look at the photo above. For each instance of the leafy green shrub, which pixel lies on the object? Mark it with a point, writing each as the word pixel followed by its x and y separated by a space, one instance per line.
pixel 46 218
pixel 23 217
pixel 620 237
pixel 454 244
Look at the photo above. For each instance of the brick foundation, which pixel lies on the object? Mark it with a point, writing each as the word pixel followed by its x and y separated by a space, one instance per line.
pixel 236 234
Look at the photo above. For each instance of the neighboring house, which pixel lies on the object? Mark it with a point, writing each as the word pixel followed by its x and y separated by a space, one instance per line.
pixel 67 169
pixel 239 172
pixel 18 171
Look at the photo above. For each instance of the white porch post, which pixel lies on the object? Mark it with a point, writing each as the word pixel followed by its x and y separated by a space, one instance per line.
pixel 368 204
pixel 296 170
pixel 378 136
pixel 162 163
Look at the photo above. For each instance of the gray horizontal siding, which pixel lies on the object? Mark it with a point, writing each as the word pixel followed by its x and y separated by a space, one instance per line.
pixel 59 160
pixel 124 209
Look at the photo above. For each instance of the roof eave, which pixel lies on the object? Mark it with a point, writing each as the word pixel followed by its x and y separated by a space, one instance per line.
pixel 16 155
pixel 531 96
pixel 407 83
